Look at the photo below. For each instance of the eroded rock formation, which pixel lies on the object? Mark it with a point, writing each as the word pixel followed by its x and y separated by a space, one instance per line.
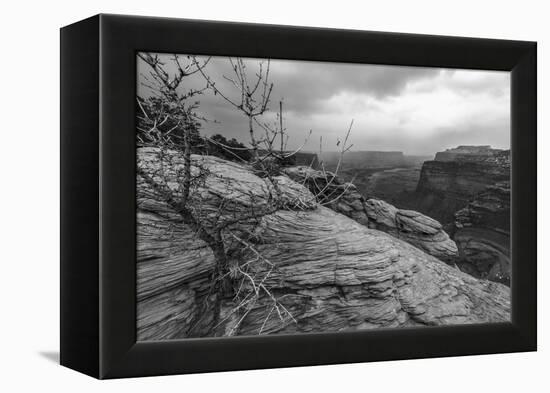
pixel 411 226
pixel 467 189
pixel 483 234
pixel 330 272
pixel 448 183
pixel 340 196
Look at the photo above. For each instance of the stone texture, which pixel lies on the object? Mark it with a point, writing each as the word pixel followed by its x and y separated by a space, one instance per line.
pixel 331 272
pixel 448 183
pixel 483 234
pixel 173 272
pixel 472 153
pixel 340 196
pixel 413 227
pixel 336 274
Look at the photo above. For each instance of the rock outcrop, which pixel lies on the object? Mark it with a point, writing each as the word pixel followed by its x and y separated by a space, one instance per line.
pixel 483 234
pixel 448 183
pixel 468 190
pixel 340 196
pixel 471 153
pixel 413 227
pixel 395 186
pixel 329 272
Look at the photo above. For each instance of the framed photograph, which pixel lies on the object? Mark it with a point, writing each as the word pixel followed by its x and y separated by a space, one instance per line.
pixel 239 196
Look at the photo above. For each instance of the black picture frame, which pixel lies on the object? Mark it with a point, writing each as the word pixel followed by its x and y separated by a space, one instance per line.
pixel 98 237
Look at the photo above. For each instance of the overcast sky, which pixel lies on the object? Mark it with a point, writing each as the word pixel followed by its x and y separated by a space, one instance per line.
pixel 410 109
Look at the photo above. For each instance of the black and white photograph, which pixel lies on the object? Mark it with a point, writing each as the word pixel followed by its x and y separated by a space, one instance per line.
pixel 279 197
pixel 286 196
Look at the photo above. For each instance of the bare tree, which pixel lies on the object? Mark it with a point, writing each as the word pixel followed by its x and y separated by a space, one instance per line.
pixel 254 94
pixel 173 104
pixel 169 121
pixel 327 193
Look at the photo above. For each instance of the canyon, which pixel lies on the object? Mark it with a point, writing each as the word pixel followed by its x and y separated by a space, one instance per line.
pixel 467 190
pixel 482 233
pixel 450 181
pixel 337 262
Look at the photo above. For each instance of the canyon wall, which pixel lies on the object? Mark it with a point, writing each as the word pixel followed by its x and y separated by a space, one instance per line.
pixel 483 234
pixel 448 183
pixel 329 272
pixel 366 159
pixel 468 189
pixel 343 197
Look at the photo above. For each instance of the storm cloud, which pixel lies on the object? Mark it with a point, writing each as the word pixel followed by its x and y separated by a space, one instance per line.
pixel 413 109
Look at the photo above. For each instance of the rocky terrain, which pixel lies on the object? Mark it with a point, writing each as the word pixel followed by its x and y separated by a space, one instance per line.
pixel 390 176
pixel 396 185
pixel 411 226
pixel 366 159
pixel 329 269
pixel 449 182
pixel 483 234
pixel 361 162
pixel 471 153
pixel 415 228
pixel 468 189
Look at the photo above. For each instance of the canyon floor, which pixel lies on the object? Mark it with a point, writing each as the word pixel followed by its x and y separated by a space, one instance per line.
pixel 394 185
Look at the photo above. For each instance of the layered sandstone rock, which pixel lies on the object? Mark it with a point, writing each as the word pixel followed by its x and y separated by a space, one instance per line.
pixel 483 234
pixel 472 153
pixel 449 182
pixel 413 227
pixel 330 191
pixel 329 272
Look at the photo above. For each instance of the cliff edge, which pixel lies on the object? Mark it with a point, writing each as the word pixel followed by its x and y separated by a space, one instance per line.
pixel 329 272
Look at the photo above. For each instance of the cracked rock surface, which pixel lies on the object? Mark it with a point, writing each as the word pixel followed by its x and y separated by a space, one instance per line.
pixel 483 234
pixel 331 272
pixel 415 228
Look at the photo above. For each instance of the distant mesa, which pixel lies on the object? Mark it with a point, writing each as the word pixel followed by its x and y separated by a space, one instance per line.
pixel 373 159
pixel 455 176
pixel 454 206
pixel 468 189
pixel 369 158
pixel 408 225
pixel 467 153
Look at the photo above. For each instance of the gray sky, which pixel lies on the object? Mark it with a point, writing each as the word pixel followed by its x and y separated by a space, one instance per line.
pixel 410 109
